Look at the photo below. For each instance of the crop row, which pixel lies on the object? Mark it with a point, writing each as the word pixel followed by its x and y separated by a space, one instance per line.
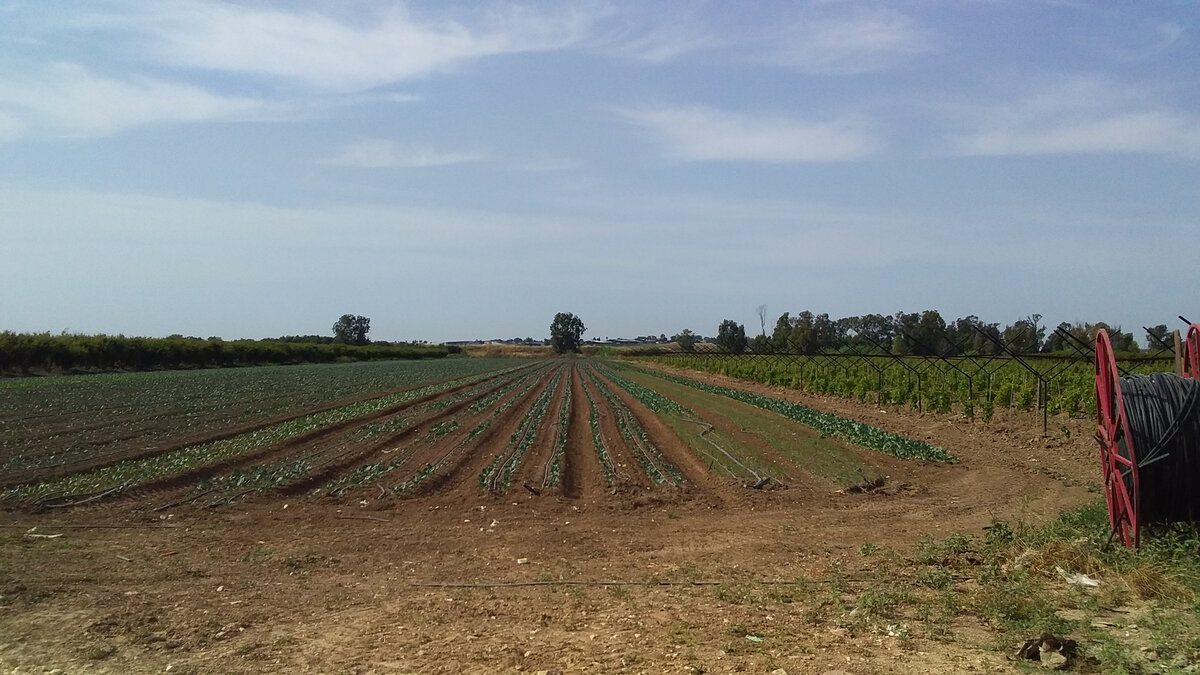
pixel 603 454
pixel 647 456
pixel 293 468
pixel 829 424
pixel 515 392
pixel 498 475
pixel 131 473
pixel 373 471
pixel 669 408
pixel 54 421
pixel 554 464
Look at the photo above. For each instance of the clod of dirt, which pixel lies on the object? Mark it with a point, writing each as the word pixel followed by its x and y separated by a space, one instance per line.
pixel 868 485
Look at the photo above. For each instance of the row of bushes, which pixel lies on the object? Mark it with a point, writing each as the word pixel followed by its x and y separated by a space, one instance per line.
pixel 43 353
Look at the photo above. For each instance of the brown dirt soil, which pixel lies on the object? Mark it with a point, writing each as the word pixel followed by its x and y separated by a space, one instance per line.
pixel 373 584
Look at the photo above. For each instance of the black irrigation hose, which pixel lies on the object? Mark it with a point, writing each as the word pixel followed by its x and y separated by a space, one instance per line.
pixel 1163 411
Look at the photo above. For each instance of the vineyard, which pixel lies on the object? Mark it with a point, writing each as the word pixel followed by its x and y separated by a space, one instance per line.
pixel 208 438
pixel 972 386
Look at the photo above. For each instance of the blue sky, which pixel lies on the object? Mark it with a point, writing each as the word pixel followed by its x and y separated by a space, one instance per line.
pixel 466 170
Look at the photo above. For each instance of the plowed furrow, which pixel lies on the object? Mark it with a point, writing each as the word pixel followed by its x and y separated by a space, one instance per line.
pixel 625 466
pixel 456 464
pixel 581 472
pixel 100 461
pixel 326 456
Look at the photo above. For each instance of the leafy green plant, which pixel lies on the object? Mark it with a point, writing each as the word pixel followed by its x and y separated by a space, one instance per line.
pixel 829 424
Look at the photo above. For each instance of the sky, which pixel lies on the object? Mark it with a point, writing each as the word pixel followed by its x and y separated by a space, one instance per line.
pixel 464 170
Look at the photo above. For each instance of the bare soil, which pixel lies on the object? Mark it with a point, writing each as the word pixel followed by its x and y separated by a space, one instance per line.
pixel 585 578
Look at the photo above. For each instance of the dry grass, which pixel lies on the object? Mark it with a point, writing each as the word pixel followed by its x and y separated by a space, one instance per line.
pixel 500 351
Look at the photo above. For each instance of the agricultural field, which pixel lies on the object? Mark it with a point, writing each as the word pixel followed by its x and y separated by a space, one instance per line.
pixel 484 515
pixel 568 427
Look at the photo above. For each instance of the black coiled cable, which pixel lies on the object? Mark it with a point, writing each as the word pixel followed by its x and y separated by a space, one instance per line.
pixel 1163 411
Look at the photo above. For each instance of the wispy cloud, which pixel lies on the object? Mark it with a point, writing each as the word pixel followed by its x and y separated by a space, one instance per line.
pixel 645 32
pixel 845 42
pixel 543 164
pixel 1153 132
pixel 704 134
pixel 1080 115
pixel 318 49
pixel 822 38
pixel 66 99
pixel 386 154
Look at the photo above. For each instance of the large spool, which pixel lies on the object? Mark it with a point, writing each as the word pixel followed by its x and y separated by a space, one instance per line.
pixel 1149 435
pixel 1191 352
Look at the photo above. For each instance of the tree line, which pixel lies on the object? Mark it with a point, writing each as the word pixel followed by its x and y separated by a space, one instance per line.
pixel 40 353
pixel 915 334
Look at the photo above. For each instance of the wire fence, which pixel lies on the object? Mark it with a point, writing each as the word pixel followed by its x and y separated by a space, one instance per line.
pixel 973 384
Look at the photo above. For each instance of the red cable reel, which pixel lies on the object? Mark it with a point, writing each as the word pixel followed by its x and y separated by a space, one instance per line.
pixel 1191 352
pixel 1117 454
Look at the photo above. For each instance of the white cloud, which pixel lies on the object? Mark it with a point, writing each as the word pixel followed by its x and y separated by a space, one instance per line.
pixel 1078 115
pixel 66 99
pixel 657 37
pixel 385 154
pixel 703 134
pixel 861 41
pixel 1147 132
pixel 322 51
pixel 830 38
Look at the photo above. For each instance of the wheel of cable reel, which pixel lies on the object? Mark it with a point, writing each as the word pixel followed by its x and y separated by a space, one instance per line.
pixel 1117 453
pixel 1191 353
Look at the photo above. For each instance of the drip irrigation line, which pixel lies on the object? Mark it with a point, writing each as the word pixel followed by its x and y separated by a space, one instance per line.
pixel 60 526
pixel 704 437
pixel 611 582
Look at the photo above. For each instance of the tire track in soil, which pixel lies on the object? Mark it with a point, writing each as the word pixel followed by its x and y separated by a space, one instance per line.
pixel 98 462
pixel 673 449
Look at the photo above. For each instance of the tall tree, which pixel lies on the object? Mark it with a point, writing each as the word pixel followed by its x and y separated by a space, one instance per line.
pixel 686 340
pixel 1158 336
pixel 824 333
pixel 566 333
pixel 932 333
pixel 871 331
pixel 352 330
pixel 783 328
pixel 1025 336
pixel 761 344
pixel 906 324
pixel 762 318
pixel 1056 342
pixel 731 337
pixel 800 338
